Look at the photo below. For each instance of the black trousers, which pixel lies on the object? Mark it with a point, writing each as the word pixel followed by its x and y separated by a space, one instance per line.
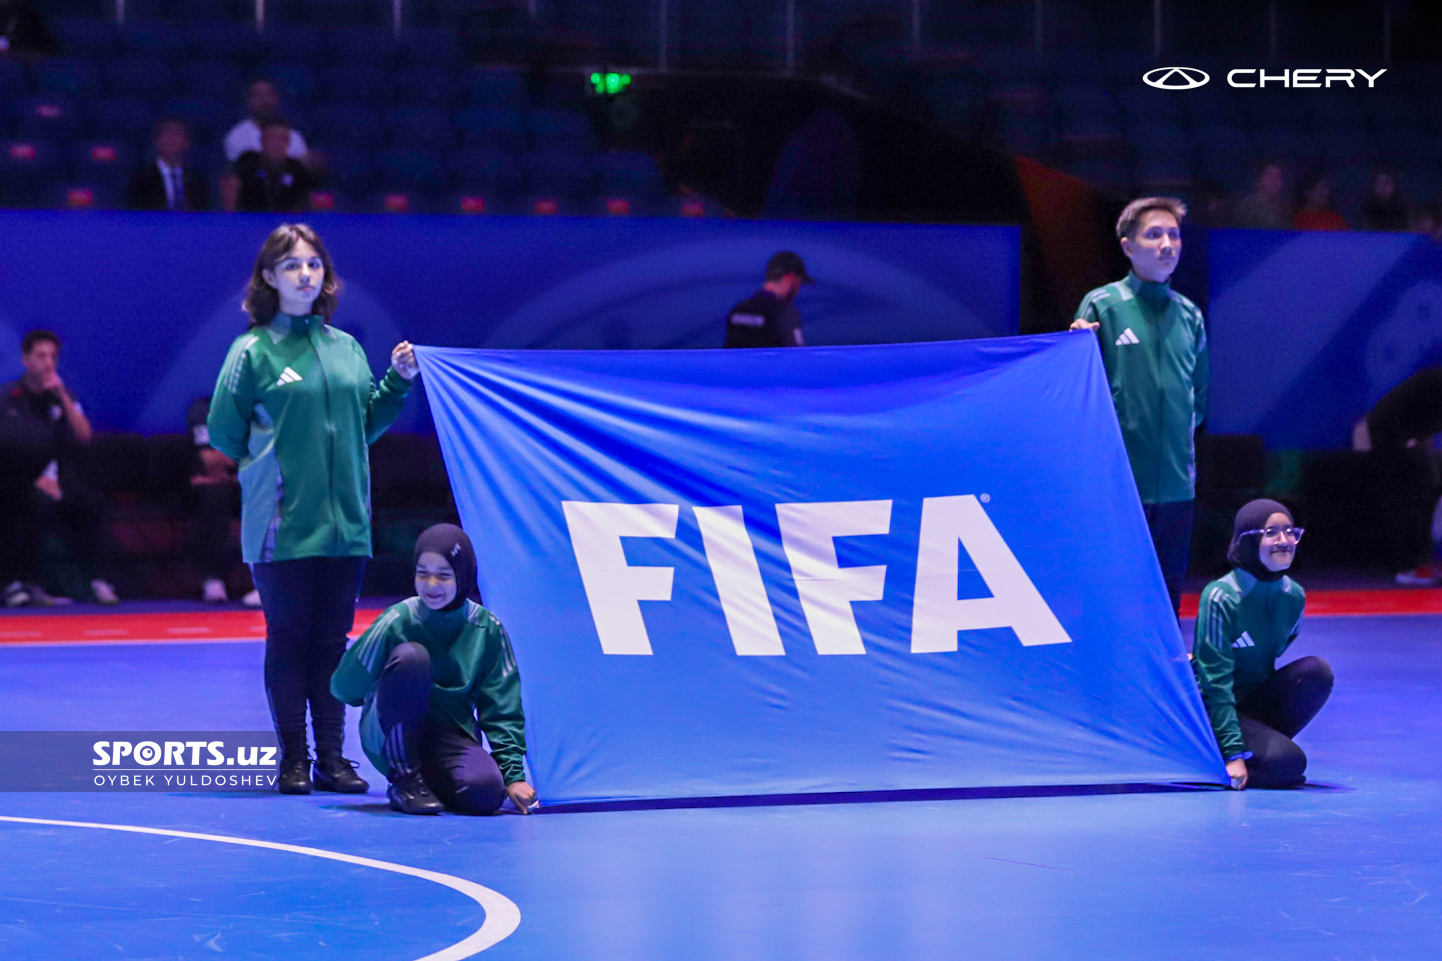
pixel 459 770
pixel 1274 713
pixel 82 516
pixel 309 608
pixel 212 508
pixel 1171 528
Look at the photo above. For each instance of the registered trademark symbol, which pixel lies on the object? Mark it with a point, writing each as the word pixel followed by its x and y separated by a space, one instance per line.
pixel 986 498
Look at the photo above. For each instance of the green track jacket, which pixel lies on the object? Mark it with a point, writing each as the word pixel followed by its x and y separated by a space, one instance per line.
pixel 473 671
pixel 1154 346
pixel 1243 626
pixel 295 405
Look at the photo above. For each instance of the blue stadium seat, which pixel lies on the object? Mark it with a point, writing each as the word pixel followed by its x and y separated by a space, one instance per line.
pixel 1145 105
pixel 234 40
pixel 1288 142
pixel 106 162
pixel 208 119
pixel 140 77
pixel 431 46
pixel 491 127
pixel 13 82
pixel 212 79
pixel 375 14
pixel 353 81
pixel 73 75
pixel 373 47
pixel 499 87
pixel 72 195
pixel 27 167
pixel 154 38
pixel 560 129
pixel 492 172
pixel 129 119
pixel 47 117
pixel 629 174
pixel 347 125
pixel 1346 143
pixel 424 127
pixel 295 80
pixel 397 201
pixel 1157 139
pixel 414 171
pixel 298 43
pixel 559 173
pixel 434 84
pixel 1085 101
pixel 86 36
pixel 351 171
pixel 214 10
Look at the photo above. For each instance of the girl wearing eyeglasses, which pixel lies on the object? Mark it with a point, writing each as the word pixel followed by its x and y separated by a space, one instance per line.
pixel 1246 621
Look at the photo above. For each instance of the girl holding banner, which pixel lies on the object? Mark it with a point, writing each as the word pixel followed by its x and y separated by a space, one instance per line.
pixel 434 672
pixel 296 406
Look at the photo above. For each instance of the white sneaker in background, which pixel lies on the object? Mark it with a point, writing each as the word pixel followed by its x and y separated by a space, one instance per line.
pixel 104 592
pixel 16 595
pixel 251 599
pixel 213 591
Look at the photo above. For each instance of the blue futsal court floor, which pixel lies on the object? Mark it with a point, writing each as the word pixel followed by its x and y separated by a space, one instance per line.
pixel 1349 867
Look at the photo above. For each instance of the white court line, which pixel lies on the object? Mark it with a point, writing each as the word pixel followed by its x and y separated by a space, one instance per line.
pixel 502 914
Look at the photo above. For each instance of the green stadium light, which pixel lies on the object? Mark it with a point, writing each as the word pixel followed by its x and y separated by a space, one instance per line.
pixel 609 84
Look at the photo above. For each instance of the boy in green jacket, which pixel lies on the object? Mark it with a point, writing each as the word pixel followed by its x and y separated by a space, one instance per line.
pixel 433 673
pixel 1246 621
pixel 1154 347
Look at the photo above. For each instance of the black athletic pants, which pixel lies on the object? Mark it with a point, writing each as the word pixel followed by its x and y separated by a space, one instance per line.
pixel 1274 713
pixel 458 769
pixel 1171 527
pixel 309 608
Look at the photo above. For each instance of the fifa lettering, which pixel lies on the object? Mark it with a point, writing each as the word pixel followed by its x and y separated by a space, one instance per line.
pixel 826 590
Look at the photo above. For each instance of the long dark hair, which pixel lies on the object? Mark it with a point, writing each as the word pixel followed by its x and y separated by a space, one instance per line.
pixel 261 299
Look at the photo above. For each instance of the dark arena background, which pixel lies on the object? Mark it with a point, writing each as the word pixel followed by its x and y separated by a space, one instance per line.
pixel 566 206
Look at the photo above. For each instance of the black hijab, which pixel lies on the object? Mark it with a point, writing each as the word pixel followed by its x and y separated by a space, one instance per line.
pixel 451 542
pixel 1244 552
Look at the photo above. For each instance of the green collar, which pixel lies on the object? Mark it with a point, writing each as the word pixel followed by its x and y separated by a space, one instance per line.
pixel 444 625
pixel 284 324
pixel 1148 290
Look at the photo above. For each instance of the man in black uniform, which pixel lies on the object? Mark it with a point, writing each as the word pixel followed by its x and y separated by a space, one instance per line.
pixel 1399 432
pixel 44 424
pixel 768 318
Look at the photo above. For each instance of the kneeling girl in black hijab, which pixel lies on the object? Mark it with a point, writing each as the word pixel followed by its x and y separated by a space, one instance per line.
pixel 433 673
pixel 1246 621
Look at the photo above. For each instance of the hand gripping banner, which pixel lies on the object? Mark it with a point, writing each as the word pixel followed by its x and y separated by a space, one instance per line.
pixel 732 573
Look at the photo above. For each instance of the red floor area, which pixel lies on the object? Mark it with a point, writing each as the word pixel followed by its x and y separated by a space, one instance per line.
pixel 119 627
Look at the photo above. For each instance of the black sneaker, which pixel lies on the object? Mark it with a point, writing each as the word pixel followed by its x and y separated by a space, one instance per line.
pixel 293 779
pixel 409 794
pixel 334 773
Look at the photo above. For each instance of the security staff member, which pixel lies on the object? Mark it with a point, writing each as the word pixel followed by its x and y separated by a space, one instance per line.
pixel 768 318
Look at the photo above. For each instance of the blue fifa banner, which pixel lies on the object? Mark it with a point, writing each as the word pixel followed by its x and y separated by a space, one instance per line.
pixel 754 572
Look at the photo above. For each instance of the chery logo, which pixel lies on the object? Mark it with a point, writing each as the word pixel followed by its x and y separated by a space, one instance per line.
pixel 1189 78
pixel 1175 78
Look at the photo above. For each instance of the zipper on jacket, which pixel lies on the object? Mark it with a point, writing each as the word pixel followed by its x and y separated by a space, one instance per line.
pixel 330 432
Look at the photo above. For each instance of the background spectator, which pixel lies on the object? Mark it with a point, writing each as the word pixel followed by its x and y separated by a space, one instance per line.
pixel 57 499
pixel 1385 207
pixel 169 183
pixel 269 180
pixel 1314 205
pixel 1264 207
pixel 262 104
pixel 214 502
